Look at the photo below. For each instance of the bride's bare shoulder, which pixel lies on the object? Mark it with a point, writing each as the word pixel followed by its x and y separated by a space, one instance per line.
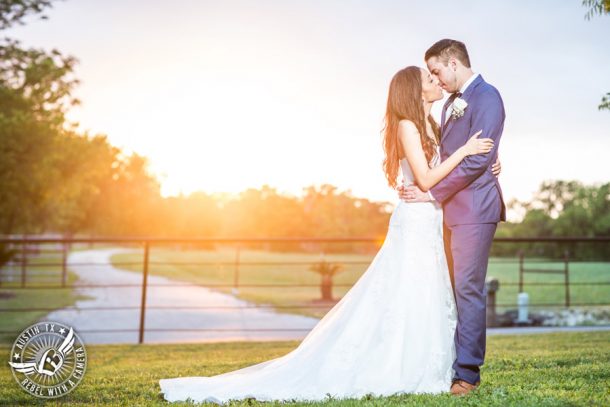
pixel 407 125
pixel 407 130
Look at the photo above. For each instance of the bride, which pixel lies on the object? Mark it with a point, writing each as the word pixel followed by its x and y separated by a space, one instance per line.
pixel 393 330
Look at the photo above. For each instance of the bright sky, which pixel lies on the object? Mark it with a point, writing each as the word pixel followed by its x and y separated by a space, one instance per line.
pixel 226 95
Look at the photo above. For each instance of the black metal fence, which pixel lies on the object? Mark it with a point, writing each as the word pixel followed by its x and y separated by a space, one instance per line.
pixel 31 246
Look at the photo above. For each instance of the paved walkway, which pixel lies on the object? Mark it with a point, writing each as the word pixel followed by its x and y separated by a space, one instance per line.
pixel 177 322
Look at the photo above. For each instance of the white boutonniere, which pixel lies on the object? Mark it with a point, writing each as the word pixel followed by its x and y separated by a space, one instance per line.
pixel 458 107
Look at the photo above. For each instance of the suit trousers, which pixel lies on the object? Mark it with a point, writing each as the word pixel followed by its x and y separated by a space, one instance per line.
pixel 467 248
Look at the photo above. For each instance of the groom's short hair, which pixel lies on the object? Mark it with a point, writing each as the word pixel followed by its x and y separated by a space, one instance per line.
pixel 446 48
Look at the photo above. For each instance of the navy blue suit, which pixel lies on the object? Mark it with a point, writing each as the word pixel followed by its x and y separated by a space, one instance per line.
pixel 472 207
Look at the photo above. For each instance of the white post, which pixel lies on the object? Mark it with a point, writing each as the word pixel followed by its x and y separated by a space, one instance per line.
pixel 523 300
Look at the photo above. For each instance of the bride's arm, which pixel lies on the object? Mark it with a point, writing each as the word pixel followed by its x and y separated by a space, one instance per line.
pixel 425 176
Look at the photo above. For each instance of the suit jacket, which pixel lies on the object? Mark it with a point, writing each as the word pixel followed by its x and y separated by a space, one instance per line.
pixel 471 193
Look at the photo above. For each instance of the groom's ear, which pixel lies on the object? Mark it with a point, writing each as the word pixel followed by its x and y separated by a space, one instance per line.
pixel 453 63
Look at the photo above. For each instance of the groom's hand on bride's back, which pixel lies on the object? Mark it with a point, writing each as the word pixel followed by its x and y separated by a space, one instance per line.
pixel 496 169
pixel 412 194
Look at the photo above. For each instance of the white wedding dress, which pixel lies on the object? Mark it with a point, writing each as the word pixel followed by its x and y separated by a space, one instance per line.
pixel 391 333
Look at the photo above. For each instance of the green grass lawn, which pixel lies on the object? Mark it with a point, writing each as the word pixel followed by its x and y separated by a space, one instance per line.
pixel 12 297
pixel 562 369
pixel 506 270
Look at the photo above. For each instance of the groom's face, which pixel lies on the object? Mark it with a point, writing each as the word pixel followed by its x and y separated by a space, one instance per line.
pixel 444 73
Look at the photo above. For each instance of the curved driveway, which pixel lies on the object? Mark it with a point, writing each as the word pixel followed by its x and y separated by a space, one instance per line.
pixel 177 322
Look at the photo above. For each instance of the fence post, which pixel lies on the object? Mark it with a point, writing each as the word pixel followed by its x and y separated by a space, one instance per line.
pixel 144 285
pixel 64 261
pixel 236 271
pixel 23 261
pixel 566 259
pixel 520 271
pixel 493 285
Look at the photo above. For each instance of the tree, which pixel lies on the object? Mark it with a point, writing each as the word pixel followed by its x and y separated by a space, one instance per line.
pixel 605 102
pixel 37 81
pixel 14 11
pixel 326 271
pixel 51 177
pixel 329 212
pixel 598 7
pixel 562 209
pixel 35 92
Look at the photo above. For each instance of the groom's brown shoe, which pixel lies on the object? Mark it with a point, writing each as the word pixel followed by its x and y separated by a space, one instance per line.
pixel 462 388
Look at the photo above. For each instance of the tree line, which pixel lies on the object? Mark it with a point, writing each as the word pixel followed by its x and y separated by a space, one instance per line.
pixel 55 179
pixel 561 209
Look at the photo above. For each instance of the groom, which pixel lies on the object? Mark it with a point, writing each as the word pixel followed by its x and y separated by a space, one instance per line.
pixel 471 198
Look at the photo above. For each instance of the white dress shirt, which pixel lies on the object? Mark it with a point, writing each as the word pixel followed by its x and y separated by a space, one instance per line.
pixel 462 90
pixel 448 112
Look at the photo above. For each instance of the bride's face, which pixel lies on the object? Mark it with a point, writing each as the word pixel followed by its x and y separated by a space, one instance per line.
pixel 431 91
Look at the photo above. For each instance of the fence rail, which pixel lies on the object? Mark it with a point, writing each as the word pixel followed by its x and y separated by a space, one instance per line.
pixel 29 245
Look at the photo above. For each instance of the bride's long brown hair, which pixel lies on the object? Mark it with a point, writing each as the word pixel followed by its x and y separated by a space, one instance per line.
pixel 405 102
